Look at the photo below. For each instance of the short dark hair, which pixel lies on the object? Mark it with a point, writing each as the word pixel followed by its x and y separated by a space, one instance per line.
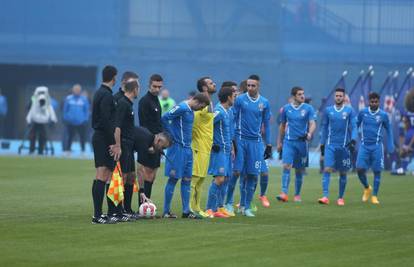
pixel 254 77
pixel 225 93
pixel 228 84
pixel 167 136
pixel 295 90
pixel 108 73
pixel 243 86
pixel 339 89
pixel 128 75
pixel 130 85
pixel 155 78
pixel 202 98
pixel 202 82
pixel 373 95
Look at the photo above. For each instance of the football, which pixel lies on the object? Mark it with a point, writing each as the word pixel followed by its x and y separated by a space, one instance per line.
pixel 147 210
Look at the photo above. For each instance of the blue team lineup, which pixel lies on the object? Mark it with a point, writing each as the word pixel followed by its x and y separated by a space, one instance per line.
pixel 230 142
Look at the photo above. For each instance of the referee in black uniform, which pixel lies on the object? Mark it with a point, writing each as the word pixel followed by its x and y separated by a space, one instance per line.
pixel 149 113
pixel 124 135
pixel 103 112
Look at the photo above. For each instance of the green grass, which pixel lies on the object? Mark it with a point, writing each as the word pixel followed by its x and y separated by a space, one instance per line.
pixel 46 207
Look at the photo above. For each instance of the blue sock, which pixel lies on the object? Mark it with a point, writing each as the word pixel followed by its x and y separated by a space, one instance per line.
pixel 377 182
pixel 243 191
pixel 185 194
pixel 230 189
pixel 212 197
pixel 264 181
pixel 298 182
pixel 342 185
pixel 168 193
pixel 285 180
pixel 362 175
pixel 326 178
pixel 251 182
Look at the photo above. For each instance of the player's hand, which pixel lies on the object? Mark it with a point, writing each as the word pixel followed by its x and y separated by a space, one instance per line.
pixel 322 150
pixel 308 136
pixel 144 198
pixel 215 148
pixel 279 148
pixel 268 152
pixel 351 146
pixel 115 151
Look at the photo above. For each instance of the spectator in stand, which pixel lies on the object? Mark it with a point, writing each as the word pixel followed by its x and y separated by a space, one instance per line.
pixel 75 117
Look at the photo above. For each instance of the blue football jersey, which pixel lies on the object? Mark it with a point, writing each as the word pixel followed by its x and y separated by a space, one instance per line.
pixel 179 123
pixel 371 126
pixel 250 114
pixel 338 126
pixel 221 134
pixel 297 120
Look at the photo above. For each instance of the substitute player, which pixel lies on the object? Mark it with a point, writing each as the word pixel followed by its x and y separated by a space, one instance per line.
pixel 178 122
pixel 338 138
pixel 149 113
pixel 124 136
pixel 103 111
pixel 251 110
pixel 297 124
pixel 371 121
pixel 220 164
pixel 201 144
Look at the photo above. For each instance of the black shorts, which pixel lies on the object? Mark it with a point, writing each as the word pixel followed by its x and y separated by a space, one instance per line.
pixel 101 151
pixel 127 157
pixel 149 160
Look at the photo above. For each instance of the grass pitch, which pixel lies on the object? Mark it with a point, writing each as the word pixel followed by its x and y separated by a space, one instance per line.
pixel 46 208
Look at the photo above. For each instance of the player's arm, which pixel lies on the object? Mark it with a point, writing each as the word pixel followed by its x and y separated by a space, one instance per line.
pixel 106 102
pixel 312 124
pixel 324 130
pixel 353 125
pixel 119 115
pixel 390 138
pixel 142 113
pixel 280 136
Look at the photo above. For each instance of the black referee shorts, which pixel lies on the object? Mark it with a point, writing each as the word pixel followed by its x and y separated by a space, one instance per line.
pixel 101 151
pixel 127 157
pixel 149 160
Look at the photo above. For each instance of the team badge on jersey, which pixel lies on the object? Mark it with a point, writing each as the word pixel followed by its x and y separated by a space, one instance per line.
pixel 378 118
pixel 261 106
pixel 344 115
pixel 303 113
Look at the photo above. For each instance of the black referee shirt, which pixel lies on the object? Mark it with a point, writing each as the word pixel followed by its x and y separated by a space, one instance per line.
pixel 124 118
pixel 144 139
pixel 119 94
pixel 103 113
pixel 149 113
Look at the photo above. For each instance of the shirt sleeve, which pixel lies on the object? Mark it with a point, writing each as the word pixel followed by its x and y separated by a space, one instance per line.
pixel 170 115
pixel 354 128
pixel 312 114
pixel 106 103
pixel 120 114
pixel 142 113
pixel 390 138
pixel 266 123
pixel 282 117
pixel 324 126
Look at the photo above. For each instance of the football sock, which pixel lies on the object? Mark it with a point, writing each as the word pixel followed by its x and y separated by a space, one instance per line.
pixel 185 195
pixel 264 181
pixel 199 187
pixel 251 182
pixel 342 185
pixel 362 175
pixel 194 193
pixel 243 191
pixel 326 178
pixel 168 193
pixel 285 180
pixel 128 197
pixel 111 207
pixel 148 188
pixel 377 182
pixel 98 192
pixel 230 189
pixel 298 182
pixel 212 197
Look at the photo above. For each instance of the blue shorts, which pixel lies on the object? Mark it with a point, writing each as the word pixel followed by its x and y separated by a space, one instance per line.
pixel 179 162
pixel 337 157
pixel 219 164
pixel 247 158
pixel 295 153
pixel 370 156
pixel 408 136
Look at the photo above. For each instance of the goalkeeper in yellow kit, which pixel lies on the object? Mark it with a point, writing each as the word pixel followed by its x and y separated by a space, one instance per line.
pixel 201 144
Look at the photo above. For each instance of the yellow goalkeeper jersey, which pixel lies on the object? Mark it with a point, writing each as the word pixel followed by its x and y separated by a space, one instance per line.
pixel 203 130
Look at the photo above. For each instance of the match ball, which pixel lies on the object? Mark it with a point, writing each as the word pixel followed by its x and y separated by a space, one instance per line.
pixel 147 210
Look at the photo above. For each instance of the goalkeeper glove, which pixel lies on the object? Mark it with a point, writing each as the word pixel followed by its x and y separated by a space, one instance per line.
pixel 268 152
pixel 322 150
